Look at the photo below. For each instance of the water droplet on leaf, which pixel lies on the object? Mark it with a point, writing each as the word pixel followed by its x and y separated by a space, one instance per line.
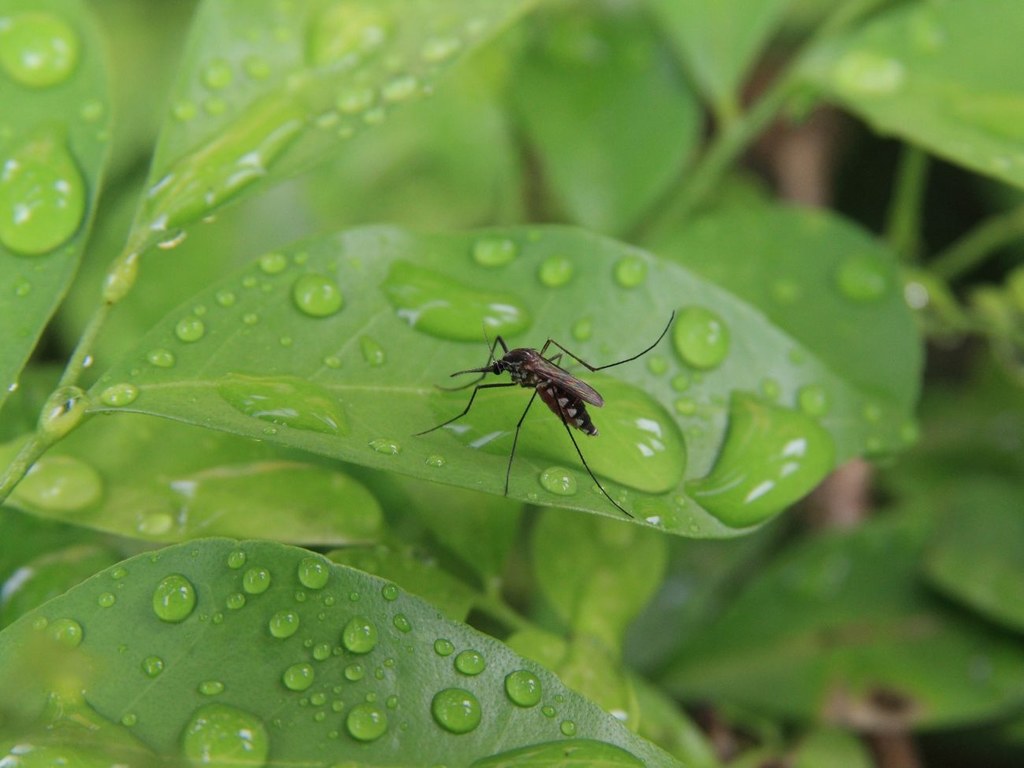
pixel 118 395
pixel 631 272
pixel 862 278
pixel 366 722
pixel 470 662
pixel 256 581
pixel 190 329
pixel 555 271
pixel 314 572
pixel 174 598
pixel 285 400
pixel 558 481
pixel 218 734
pixel 284 624
pixel 494 251
pixel 38 49
pixel 317 295
pixel 359 635
pixel 60 484
pixel 523 688
pixel 298 677
pixel 701 338
pixel 456 710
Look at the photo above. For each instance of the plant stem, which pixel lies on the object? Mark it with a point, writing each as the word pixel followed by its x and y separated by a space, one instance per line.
pixel 903 230
pixel 22 462
pixel 978 244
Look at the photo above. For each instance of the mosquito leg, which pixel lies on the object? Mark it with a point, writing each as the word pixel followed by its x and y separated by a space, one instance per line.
pixel 468 405
pixel 515 439
pixel 591 472
pixel 587 365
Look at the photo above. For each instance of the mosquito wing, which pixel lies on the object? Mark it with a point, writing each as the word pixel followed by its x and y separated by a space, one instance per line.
pixel 545 369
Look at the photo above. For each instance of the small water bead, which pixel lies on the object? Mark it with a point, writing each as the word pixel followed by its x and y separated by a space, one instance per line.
pixel 183 111
pixel 314 572
pixel 219 734
pixel 256 67
pixel 250 318
pixel 558 480
pixel 359 635
pixel 273 263
pixel 435 460
pixel 174 598
pixel 771 388
pixel 161 358
pixel 862 278
pixel 523 688
pixel 438 49
pixel 701 338
pixel 354 672
pixel 317 295
pixel 400 89
pixel 470 662
pixel 172 241
pixel 686 406
pixel 373 352
pixel 344 33
pixel 190 329
pixel 568 728
pixel 389 592
pixel 42 195
pixel 555 271
pixel 118 395
pixel 630 272
pixel 298 677
pixel 236 559
pixel 106 600
pixel 211 687
pixel 355 99
pixel 657 365
pixel 118 573
pixel 66 632
pixel 401 623
pixel 785 291
pixel 322 651
pixel 813 400
pixel 129 719
pixel 494 251
pixel 284 624
pixel 332 361
pixel 386 446
pixel 443 647
pixel 456 710
pixel 548 711
pixel 38 49
pixel 256 581
pixel 583 329
pixel 366 722
pixel 153 666
pixel 218 75
pixel 235 601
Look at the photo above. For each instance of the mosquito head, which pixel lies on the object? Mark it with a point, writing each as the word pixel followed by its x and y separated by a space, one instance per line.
pixel 494 367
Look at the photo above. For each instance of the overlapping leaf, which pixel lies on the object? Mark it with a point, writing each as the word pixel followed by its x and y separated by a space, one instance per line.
pixel 54 132
pixel 315 663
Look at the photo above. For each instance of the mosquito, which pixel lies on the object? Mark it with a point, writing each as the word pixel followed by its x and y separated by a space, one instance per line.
pixel 566 395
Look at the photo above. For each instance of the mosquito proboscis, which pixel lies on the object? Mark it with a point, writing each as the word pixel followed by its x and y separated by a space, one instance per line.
pixel 566 395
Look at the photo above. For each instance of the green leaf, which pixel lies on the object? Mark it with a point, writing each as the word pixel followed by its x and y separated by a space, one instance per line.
pixel 597 575
pixel 845 633
pixel 54 133
pixel 946 76
pixel 832 748
pixel 304 661
pixel 271 354
pixel 161 481
pixel 719 41
pixel 265 91
pixel 833 288
pixel 665 723
pixel 977 553
pixel 611 119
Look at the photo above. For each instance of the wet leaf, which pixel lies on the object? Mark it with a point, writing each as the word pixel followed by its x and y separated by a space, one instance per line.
pixel 336 345
pixel 297 660
pixel 266 90
pixel 916 72
pixel 53 148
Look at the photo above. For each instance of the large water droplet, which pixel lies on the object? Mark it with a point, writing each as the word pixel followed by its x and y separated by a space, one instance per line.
pixel 60 484
pixel 523 688
pixel 559 481
pixel 316 295
pixel 862 278
pixel 359 635
pixel 366 722
pixel 701 338
pixel 456 710
pixel 256 580
pixel 220 735
pixel 344 33
pixel 285 400
pixel 152 666
pixel 771 457
pixel 443 307
pixel 443 647
pixel 42 195
pixel 235 157
pixel 386 445
pixel 66 632
pixel 38 49
pixel 190 329
pixel 174 598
